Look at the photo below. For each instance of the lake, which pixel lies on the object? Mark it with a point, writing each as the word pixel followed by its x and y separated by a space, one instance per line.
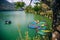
pixel 19 24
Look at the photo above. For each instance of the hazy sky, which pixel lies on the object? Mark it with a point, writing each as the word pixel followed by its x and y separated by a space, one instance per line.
pixel 26 1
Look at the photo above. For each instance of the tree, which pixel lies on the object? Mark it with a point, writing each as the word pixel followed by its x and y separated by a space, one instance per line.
pixel 37 7
pixel 20 4
pixel 28 8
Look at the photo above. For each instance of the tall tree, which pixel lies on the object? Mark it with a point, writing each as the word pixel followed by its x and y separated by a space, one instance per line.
pixel 20 4
pixel 30 2
pixel 37 8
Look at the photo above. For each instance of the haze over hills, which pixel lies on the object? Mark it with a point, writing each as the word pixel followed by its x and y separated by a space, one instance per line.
pixel 5 5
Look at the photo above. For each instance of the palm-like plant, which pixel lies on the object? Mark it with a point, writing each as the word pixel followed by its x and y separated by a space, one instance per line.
pixel 20 4
pixel 37 8
pixel 28 8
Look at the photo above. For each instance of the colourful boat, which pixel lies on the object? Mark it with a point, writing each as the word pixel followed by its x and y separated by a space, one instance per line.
pixel 40 25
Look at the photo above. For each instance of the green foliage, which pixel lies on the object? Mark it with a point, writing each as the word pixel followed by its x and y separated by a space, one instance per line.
pixel 37 8
pixel 19 4
pixel 28 8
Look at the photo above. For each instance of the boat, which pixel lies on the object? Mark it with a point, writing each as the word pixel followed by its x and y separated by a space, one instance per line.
pixel 7 22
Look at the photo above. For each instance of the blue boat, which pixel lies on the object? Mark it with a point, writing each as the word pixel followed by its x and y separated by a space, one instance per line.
pixel 40 26
pixel 34 25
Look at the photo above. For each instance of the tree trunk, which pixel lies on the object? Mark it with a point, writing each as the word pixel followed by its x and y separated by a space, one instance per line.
pixel 21 0
pixel 30 2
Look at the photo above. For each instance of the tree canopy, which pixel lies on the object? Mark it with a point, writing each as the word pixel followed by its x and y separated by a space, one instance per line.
pixel 19 4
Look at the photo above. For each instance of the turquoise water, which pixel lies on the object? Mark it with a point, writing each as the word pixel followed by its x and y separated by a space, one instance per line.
pixel 18 29
pixel 20 21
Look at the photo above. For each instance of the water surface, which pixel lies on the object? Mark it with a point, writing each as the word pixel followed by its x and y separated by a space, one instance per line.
pixel 20 21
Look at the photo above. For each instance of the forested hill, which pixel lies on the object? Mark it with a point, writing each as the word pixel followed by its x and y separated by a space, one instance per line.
pixel 5 5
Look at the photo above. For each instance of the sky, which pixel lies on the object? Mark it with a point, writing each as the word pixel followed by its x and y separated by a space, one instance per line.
pixel 26 1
